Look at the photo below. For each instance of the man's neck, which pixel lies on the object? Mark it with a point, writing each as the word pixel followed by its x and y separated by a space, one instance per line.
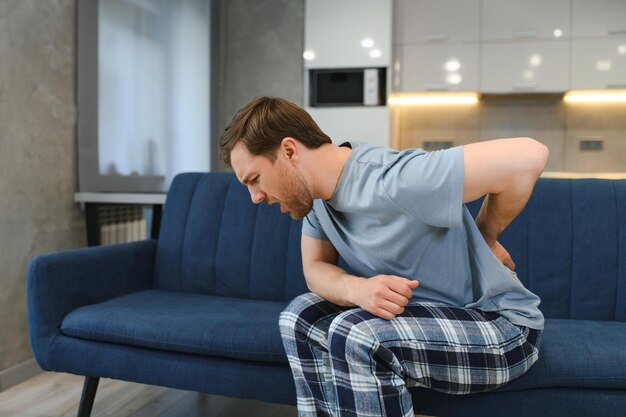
pixel 327 163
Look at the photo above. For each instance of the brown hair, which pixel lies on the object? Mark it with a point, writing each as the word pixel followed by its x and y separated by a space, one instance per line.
pixel 264 122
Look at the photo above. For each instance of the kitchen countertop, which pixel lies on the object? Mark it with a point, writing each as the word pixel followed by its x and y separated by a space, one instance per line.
pixel 602 175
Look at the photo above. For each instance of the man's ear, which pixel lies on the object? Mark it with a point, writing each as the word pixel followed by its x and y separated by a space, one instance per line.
pixel 289 148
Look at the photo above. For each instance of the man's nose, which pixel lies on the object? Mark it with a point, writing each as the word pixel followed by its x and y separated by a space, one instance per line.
pixel 257 196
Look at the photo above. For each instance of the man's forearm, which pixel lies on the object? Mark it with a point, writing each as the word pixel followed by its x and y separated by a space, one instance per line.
pixel 330 282
pixel 499 210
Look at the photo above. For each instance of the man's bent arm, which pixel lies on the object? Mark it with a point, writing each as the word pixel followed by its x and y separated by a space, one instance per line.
pixel 506 170
pixel 323 276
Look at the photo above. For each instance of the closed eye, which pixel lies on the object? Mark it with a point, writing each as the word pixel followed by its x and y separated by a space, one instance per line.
pixel 247 181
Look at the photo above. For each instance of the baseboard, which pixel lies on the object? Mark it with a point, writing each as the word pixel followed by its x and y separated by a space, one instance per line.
pixel 19 373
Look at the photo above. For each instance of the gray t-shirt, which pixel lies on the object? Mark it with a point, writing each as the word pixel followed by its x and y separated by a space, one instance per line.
pixel 402 213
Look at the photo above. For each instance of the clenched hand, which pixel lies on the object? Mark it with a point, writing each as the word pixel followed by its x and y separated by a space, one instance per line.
pixel 384 296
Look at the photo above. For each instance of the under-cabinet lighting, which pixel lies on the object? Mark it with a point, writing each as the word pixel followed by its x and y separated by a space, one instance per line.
pixel 445 98
pixel 591 96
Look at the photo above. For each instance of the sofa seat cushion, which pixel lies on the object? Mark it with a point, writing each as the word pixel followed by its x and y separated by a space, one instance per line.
pixel 184 322
pixel 578 354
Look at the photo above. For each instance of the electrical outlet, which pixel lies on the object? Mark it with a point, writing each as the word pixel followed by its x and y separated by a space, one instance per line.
pixel 591 145
pixel 437 145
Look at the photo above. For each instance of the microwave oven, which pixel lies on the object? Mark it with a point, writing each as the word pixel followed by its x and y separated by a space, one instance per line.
pixel 347 87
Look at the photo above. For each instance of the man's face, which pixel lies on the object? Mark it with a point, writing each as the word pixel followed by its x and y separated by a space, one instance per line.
pixel 277 182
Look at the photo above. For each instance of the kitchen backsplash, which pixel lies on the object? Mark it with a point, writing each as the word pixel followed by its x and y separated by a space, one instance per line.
pixel 560 126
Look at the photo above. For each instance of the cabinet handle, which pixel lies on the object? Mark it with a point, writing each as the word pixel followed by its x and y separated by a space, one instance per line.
pixel 524 86
pixel 616 31
pixel 525 34
pixel 615 85
pixel 437 87
pixel 435 37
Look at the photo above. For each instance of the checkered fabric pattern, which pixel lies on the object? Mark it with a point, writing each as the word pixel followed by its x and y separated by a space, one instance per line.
pixel 348 362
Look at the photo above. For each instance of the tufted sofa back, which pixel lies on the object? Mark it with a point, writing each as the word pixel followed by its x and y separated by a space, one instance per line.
pixel 569 245
pixel 213 240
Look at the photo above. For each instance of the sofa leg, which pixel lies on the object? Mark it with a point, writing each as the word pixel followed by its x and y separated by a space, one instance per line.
pixel 89 393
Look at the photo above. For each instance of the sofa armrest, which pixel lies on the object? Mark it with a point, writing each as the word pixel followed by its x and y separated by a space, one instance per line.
pixel 60 282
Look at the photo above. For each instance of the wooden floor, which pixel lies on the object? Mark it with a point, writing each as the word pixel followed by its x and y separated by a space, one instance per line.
pixel 58 395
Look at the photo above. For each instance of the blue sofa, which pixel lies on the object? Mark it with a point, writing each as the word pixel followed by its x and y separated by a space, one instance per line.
pixel 198 309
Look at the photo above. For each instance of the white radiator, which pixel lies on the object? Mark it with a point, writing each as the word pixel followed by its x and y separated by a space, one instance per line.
pixel 120 224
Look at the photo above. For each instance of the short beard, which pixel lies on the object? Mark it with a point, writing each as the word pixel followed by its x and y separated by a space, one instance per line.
pixel 297 195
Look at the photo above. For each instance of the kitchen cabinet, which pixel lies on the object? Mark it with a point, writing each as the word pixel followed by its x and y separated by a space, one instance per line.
pixel 509 46
pixel 436 45
pixel 347 33
pixel 599 63
pixel 525 46
pixel 598 18
pixel 525 19
pixel 524 67
pixel 598 44
pixel 450 67
pixel 437 21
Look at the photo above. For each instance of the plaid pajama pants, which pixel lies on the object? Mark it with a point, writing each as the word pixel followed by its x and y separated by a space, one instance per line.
pixel 348 362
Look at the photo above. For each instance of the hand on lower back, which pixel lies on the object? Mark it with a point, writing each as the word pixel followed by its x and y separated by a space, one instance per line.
pixel 384 296
pixel 502 255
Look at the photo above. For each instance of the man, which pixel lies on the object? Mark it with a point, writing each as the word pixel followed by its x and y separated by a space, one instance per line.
pixel 429 297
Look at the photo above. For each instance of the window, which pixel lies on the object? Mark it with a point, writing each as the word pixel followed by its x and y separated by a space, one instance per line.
pixel 144 89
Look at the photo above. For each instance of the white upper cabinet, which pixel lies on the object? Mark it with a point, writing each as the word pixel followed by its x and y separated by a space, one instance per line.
pixel 599 63
pixel 525 67
pixel 509 46
pixel 525 46
pixel 347 33
pixel 599 44
pixel 591 18
pixel 437 45
pixel 438 67
pixel 437 21
pixel 525 19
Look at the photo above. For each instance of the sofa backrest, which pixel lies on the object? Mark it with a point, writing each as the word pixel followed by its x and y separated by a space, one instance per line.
pixel 568 244
pixel 213 240
pixel 569 247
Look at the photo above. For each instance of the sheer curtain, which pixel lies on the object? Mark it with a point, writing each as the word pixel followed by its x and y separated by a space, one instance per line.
pixel 153 87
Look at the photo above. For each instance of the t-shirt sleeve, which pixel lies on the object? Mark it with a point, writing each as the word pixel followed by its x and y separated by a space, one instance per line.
pixel 311 226
pixel 428 185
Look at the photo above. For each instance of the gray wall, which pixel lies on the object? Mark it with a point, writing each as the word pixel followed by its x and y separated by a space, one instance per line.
pixel 261 45
pixel 37 153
